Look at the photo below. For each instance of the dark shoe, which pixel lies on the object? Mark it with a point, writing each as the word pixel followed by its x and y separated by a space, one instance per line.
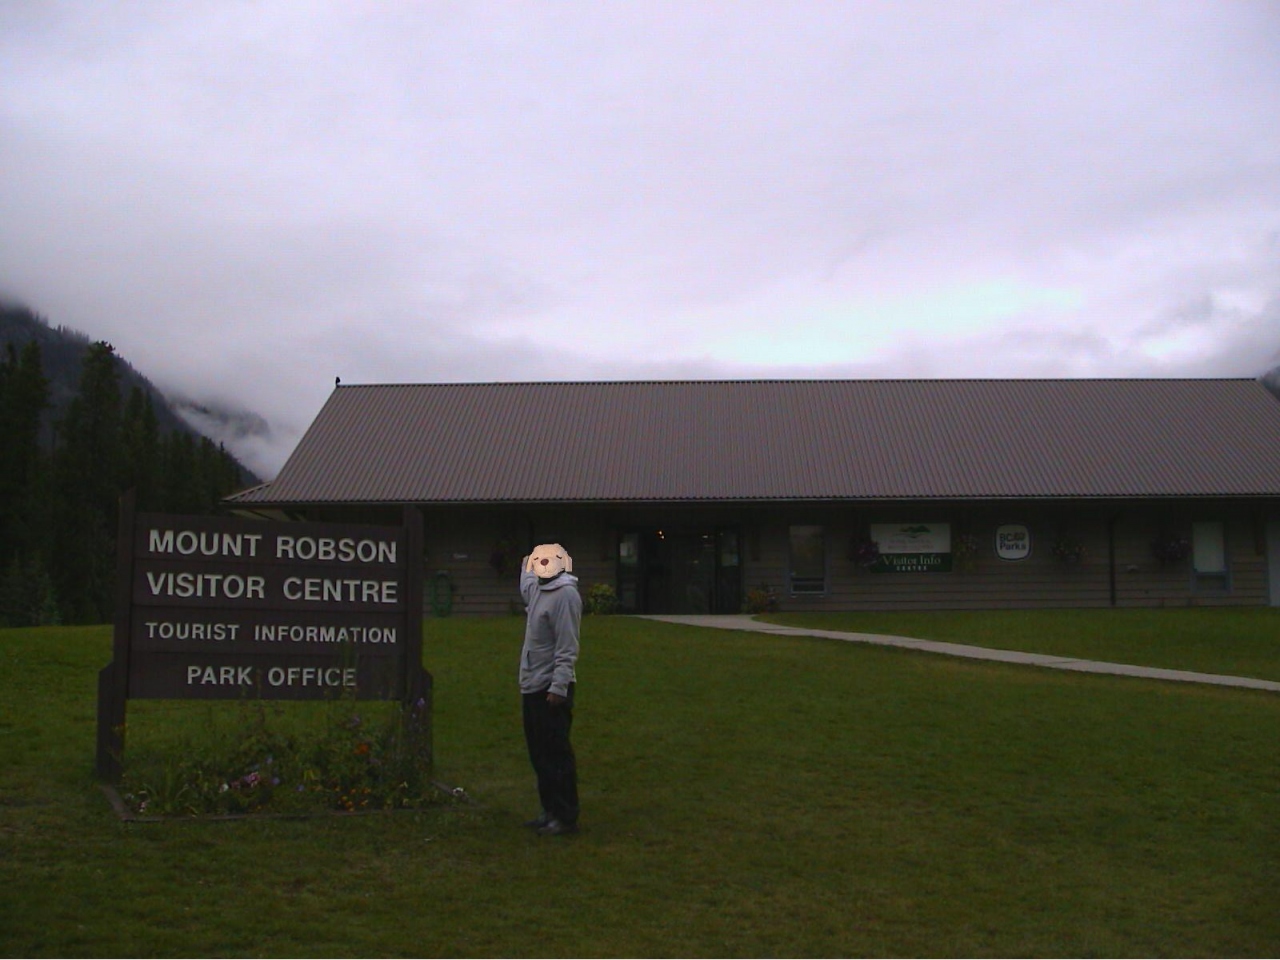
pixel 556 828
pixel 540 821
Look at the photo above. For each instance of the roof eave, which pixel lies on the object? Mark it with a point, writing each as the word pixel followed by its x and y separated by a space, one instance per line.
pixel 752 501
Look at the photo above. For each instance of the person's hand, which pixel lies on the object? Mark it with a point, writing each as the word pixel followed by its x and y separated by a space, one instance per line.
pixel 555 699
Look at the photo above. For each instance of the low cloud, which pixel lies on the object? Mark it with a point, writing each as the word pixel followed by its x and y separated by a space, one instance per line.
pixel 251 201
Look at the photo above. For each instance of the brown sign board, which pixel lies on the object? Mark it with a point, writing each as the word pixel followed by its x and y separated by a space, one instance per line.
pixel 231 608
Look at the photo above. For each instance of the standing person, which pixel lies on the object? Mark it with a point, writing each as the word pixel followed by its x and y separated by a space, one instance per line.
pixel 547 677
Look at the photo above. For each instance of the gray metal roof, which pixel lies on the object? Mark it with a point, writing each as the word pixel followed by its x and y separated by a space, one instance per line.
pixel 784 440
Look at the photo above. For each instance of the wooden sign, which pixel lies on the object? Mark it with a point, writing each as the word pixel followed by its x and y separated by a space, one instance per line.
pixel 230 608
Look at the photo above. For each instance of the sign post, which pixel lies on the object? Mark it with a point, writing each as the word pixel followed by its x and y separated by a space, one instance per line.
pixel 230 608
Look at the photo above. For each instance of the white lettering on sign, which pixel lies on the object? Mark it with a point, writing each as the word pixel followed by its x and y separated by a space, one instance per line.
pixel 913 563
pixel 165 630
pixel 344 549
pixel 198 675
pixel 323 634
pixel 312 676
pixel 207 543
pixel 230 586
pixel 333 590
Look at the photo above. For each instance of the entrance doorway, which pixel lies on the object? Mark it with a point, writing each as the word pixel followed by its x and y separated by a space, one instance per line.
pixel 680 571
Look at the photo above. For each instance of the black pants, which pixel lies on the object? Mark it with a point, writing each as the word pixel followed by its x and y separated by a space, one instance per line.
pixel 546 731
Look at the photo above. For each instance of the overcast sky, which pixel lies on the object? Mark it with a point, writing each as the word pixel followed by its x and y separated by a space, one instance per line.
pixel 250 199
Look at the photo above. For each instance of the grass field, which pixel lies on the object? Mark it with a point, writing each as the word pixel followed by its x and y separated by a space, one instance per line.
pixel 743 795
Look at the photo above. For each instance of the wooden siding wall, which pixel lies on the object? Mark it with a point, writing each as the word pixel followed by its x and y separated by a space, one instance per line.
pixel 460 542
pixel 1144 581
pixel 1039 581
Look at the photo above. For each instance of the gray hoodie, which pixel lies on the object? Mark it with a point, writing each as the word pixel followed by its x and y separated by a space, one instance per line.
pixel 551 632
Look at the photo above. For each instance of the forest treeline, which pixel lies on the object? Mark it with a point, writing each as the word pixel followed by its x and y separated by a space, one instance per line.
pixel 61 481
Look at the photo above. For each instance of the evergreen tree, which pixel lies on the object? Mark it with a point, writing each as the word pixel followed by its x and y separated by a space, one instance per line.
pixel 27 597
pixel 59 499
pixel 142 468
pixel 24 396
pixel 181 492
pixel 87 480
pixel 217 475
pixel 228 478
pixel 26 591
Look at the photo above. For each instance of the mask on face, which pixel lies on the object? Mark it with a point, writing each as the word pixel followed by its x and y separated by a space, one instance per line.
pixel 549 560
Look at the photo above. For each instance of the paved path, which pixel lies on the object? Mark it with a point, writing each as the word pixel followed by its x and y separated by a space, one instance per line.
pixel 744 622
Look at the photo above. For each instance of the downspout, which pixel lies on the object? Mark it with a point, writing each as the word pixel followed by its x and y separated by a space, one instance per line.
pixel 1111 555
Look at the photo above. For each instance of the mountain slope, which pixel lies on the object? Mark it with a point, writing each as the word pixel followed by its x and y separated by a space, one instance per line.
pixel 62 353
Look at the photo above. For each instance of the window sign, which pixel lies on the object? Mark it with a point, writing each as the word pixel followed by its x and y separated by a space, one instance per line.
pixel 1209 556
pixel 629 549
pixel 912 547
pixel 1013 541
pixel 1209 548
pixel 728 541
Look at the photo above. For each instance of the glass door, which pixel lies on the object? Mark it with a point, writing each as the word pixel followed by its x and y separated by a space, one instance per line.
pixel 728 596
pixel 680 571
pixel 630 579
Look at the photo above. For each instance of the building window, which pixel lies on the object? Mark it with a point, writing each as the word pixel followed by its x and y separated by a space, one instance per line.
pixel 808 560
pixel 1209 556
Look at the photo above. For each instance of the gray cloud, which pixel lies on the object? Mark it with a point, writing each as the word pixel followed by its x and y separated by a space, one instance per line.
pixel 250 199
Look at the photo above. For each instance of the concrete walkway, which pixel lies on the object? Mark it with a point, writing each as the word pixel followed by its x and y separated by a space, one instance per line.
pixel 1053 662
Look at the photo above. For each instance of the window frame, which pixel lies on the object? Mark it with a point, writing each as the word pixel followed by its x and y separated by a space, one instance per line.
pixel 1217 580
pixel 807 586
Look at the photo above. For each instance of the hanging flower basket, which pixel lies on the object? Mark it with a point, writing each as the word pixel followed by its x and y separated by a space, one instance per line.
pixel 1070 551
pixel 503 557
pixel 964 552
pixel 863 553
pixel 1171 548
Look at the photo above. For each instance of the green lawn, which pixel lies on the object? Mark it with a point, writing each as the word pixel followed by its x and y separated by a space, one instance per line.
pixel 743 795
pixel 1243 642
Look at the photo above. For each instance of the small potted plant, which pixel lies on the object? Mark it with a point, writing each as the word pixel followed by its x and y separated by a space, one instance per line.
pixel 761 599
pixel 600 599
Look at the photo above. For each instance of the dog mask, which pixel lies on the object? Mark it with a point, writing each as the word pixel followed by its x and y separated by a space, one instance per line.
pixel 549 560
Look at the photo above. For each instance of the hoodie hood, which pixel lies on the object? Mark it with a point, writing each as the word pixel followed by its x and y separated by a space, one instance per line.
pixel 561 579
